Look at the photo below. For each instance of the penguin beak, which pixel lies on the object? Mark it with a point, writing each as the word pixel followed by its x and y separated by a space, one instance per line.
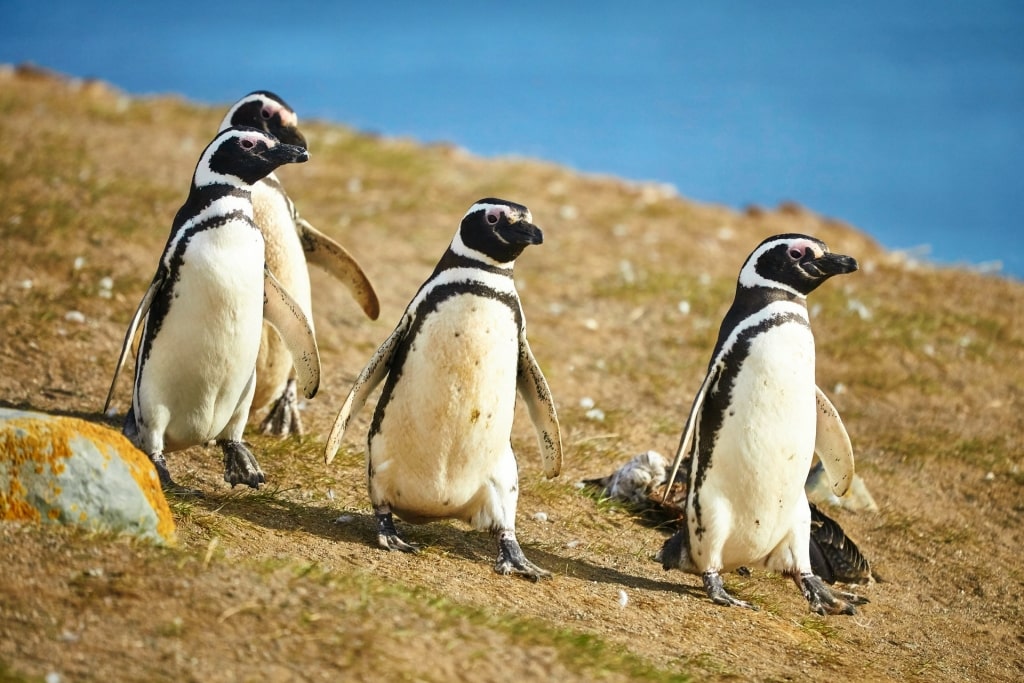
pixel 829 265
pixel 286 154
pixel 290 135
pixel 522 233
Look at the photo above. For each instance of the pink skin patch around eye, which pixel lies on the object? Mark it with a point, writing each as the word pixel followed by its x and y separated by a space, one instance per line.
pixel 494 215
pixel 802 247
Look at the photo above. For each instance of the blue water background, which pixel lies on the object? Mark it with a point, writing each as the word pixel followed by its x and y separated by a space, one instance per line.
pixel 905 119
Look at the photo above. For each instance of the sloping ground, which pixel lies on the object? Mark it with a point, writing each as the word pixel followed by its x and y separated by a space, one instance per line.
pixel 926 367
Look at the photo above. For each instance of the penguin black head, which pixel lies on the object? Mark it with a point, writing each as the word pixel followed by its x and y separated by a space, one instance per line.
pixel 266 111
pixel 244 156
pixel 797 264
pixel 496 231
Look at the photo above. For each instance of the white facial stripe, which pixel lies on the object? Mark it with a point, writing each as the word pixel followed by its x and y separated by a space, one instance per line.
pixel 772 310
pixel 226 122
pixel 499 283
pixel 459 247
pixel 514 216
pixel 749 277
pixel 205 175
pixel 288 118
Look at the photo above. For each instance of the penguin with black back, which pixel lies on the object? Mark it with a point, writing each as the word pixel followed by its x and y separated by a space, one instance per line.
pixel 754 428
pixel 439 444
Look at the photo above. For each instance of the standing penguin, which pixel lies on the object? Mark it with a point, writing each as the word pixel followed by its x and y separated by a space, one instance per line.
pixel 754 428
pixel 291 243
pixel 195 368
pixel 439 443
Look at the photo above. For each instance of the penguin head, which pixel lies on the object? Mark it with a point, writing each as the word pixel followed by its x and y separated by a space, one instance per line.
pixel 496 231
pixel 244 156
pixel 266 111
pixel 797 264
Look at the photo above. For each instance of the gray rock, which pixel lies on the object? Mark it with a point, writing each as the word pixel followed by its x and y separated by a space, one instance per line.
pixel 70 471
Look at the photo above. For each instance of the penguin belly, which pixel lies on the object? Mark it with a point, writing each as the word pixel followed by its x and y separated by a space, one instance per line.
pixel 750 496
pixel 286 259
pixel 443 440
pixel 201 362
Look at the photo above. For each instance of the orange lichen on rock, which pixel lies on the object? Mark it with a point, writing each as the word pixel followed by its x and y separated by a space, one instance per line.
pixel 41 447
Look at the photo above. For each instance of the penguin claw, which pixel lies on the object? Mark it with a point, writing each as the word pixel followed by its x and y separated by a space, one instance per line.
pixel 715 589
pixel 387 535
pixel 240 466
pixel 395 542
pixel 511 559
pixel 168 484
pixel 824 600
pixel 283 419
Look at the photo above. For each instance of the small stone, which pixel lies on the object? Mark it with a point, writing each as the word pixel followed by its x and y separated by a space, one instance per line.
pixel 344 519
pixel 595 414
pixel 586 403
pixel 623 599
pixel 540 516
pixel 75 317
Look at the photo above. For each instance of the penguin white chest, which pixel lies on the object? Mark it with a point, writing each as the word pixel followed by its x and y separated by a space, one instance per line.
pixel 445 429
pixel 763 449
pixel 202 358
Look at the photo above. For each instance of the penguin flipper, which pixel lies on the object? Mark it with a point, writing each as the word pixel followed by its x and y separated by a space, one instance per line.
pixel 324 252
pixel 686 441
pixel 537 395
pixel 285 315
pixel 140 313
pixel 368 379
pixel 832 445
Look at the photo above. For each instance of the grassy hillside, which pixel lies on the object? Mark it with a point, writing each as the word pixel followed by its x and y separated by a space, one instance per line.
pixel 926 366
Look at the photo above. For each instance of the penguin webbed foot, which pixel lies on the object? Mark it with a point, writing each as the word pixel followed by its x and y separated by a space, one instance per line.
pixel 240 466
pixel 387 534
pixel 168 484
pixel 511 559
pixel 283 418
pixel 715 589
pixel 824 600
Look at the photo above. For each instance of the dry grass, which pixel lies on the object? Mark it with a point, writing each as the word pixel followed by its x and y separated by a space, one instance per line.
pixel 925 365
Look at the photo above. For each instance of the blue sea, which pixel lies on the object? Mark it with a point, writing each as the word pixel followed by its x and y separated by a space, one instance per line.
pixel 905 119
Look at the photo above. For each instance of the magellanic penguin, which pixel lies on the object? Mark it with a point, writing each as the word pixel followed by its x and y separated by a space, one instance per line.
pixel 642 483
pixel 754 428
pixel 202 314
pixel 439 445
pixel 291 243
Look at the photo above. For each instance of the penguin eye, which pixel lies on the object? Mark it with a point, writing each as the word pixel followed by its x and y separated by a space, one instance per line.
pixel 247 143
pixel 266 114
pixel 796 253
pixel 493 215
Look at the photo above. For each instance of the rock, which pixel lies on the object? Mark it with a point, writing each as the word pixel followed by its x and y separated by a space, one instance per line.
pixel 62 469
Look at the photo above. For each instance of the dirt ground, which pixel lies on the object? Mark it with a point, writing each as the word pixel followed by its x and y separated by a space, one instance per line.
pixel 622 301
